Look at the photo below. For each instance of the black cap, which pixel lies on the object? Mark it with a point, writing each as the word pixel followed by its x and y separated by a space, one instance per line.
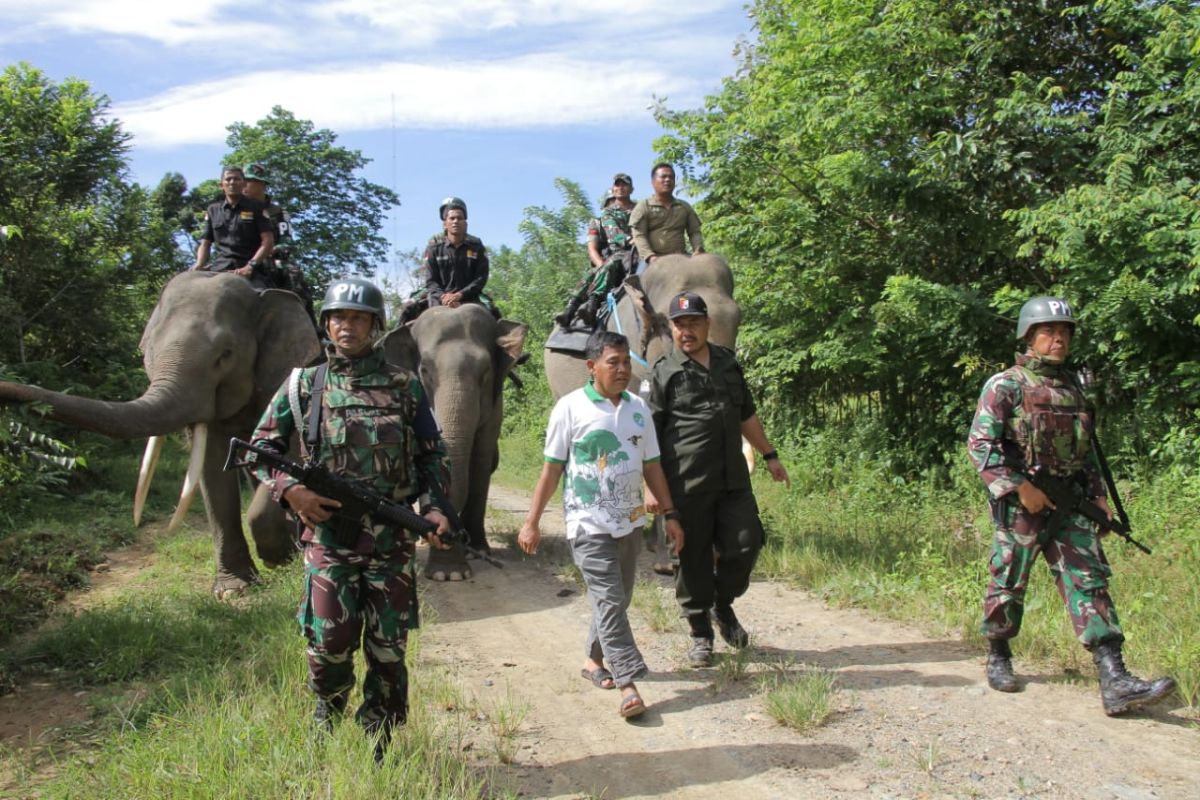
pixel 621 177
pixel 687 304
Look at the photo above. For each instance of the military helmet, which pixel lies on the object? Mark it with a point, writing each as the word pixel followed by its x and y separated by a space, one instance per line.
pixel 606 199
pixel 357 294
pixel 1043 309
pixel 255 172
pixel 450 203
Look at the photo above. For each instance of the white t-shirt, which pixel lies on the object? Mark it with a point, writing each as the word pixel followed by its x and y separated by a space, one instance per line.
pixel 602 448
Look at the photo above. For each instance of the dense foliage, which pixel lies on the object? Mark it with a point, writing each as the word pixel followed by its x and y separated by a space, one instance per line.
pixel 892 180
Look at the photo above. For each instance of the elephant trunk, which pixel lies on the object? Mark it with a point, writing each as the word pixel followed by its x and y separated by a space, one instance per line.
pixel 458 412
pixel 162 409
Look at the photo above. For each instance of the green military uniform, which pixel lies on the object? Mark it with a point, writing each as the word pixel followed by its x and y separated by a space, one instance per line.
pixel 614 240
pixel 1033 416
pixel 376 426
pixel 698 414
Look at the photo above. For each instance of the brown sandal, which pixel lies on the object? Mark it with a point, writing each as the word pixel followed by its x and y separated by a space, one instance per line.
pixel 631 705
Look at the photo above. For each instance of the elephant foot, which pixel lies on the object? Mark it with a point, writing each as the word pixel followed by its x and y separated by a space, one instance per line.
pixel 447 565
pixel 231 587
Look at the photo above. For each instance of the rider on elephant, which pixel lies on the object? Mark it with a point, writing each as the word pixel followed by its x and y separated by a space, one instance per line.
pixel 236 233
pixel 660 221
pixel 371 421
pixel 611 251
pixel 455 266
pixel 286 273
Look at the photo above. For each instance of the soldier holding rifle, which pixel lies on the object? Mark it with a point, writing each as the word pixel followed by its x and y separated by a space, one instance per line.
pixel 363 418
pixel 1033 419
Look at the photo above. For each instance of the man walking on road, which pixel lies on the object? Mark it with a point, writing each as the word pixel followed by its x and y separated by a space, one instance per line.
pixel 702 409
pixel 602 437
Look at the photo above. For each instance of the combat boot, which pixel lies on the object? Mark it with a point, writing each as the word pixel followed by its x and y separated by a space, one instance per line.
pixel 999 667
pixel 701 652
pixel 564 319
pixel 1121 691
pixel 591 311
pixel 730 629
pixel 328 711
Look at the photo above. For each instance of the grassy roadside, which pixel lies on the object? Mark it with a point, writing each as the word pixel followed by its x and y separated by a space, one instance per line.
pixel 853 533
pixel 190 698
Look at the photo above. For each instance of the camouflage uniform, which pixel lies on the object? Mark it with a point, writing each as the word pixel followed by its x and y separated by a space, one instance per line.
pixel 376 426
pixel 1033 415
pixel 614 240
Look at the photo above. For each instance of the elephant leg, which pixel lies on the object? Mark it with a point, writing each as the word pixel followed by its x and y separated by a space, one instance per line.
pixel 475 508
pixel 447 565
pixel 222 500
pixel 271 529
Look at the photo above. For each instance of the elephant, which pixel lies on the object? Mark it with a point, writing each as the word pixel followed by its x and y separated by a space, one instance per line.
pixel 462 356
pixel 649 334
pixel 215 351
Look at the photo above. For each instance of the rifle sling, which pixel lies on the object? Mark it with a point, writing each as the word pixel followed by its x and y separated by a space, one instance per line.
pixel 312 431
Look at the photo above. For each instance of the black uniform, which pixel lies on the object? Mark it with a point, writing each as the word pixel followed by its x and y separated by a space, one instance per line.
pixel 455 269
pixel 235 231
pixel 698 414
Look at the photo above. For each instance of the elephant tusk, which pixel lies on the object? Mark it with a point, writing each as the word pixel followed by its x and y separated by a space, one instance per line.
pixel 145 475
pixel 195 466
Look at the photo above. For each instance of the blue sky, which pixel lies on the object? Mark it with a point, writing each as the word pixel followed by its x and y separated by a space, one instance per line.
pixel 485 99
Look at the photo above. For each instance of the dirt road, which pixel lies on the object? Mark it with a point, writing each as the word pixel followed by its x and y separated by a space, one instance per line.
pixel 915 718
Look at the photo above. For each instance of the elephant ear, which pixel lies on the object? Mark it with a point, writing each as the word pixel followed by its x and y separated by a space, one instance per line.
pixel 400 348
pixel 286 339
pixel 510 342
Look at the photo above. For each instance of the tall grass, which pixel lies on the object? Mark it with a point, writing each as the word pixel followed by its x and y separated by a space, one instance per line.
pixel 205 699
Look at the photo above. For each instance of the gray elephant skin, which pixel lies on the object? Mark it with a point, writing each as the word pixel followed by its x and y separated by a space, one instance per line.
pixel 649 334
pixel 462 356
pixel 215 352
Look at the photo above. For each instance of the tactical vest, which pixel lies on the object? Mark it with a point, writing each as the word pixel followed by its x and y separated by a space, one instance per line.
pixel 1054 425
pixel 366 430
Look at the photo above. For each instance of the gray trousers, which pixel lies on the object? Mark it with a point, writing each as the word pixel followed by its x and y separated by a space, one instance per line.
pixel 609 568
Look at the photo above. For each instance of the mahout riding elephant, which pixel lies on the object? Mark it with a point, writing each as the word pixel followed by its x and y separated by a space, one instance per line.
pixel 215 351
pixel 645 323
pixel 462 356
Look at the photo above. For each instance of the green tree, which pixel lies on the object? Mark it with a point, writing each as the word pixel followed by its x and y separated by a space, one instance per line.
pixel 870 171
pixel 336 214
pixel 92 248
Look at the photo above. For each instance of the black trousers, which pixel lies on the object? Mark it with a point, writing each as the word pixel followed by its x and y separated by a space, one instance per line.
pixel 724 522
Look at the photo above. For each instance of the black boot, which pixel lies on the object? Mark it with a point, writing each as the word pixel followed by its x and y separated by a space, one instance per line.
pixel 1121 691
pixel 328 711
pixel 591 311
pixel 701 652
pixel 564 319
pixel 999 667
pixel 731 630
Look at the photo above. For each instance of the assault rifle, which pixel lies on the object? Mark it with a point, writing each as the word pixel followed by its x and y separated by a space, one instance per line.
pixel 357 499
pixel 1068 497
pixel 458 532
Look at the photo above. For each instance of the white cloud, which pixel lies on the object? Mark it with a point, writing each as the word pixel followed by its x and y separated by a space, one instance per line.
pixel 324 26
pixel 536 90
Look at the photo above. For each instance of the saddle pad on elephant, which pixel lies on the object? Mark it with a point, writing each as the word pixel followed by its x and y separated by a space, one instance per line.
pixel 572 341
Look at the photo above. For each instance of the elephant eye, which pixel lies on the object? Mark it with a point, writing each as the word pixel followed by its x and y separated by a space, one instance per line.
pixel 226 353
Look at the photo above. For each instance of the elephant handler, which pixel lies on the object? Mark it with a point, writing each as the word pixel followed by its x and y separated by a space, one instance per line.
pixel 702 409
pixel 659 221
pixel 372 422
pixel 610 250
pixel 237 233
pixel 602 437
pixel 456 266
pixel 1034 416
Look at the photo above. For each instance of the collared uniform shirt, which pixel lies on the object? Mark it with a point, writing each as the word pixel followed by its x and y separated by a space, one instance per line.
pixel 698 414
pixel 235 231
pixel 455 269
pixel 602 448
pixel 658 230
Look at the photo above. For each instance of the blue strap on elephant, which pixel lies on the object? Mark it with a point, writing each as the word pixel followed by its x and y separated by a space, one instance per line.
pixel 612 312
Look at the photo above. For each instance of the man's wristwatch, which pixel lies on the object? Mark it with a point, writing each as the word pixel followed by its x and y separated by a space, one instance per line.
pixel 771 456
pixel 671 514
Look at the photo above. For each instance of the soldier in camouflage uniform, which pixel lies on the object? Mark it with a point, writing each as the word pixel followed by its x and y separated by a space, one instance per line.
pixel 1033 416
pixel 610 249
pixel 375 424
